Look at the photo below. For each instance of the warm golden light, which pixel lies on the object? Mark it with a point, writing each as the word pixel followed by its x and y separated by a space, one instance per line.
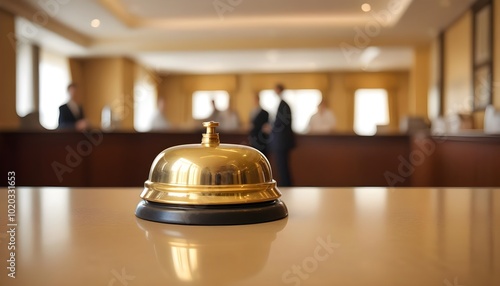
pixel 185 261
pixel 366 7
pixel 95 23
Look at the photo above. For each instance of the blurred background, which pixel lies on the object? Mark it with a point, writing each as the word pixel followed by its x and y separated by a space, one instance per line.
pixel 381 67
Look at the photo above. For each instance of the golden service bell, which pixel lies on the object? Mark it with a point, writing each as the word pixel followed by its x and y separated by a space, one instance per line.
pixel 211 184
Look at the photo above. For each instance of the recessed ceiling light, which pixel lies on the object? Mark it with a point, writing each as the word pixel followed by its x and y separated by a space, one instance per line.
pixel 366 7
pixel 95 23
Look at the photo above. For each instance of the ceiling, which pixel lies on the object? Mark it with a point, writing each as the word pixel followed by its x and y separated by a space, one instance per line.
pixel 225 36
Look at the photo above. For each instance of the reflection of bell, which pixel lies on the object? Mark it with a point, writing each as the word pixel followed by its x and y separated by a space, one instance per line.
pixel 197 255
pixel 211 184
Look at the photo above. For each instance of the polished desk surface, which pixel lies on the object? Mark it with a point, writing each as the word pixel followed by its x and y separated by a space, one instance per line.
pixel 333 236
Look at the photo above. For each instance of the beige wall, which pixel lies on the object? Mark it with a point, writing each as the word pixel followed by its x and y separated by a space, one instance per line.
pixel 496 54
pixel 458 66
pixel 419 81
pixel 108 82
pixel 8 115
pixel 176 101
pixel 101 86
pixel 338 88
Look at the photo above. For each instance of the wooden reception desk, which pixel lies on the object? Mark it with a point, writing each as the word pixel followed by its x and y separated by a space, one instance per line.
pixel 100 159
pixel 332 236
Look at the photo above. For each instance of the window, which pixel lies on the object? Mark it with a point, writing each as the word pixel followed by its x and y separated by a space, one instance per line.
pixel 144 104
pixel 54 79
pixel 482 61
pixel 24 83
pixel 303 103
pixel 202 106
pixel 370 109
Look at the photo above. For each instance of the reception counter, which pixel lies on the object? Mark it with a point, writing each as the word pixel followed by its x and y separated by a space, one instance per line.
pixel 332 236
pixel 98 159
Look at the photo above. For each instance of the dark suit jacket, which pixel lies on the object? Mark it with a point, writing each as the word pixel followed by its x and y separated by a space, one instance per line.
pixel 258 139
pixel 282 134
pixel 66 118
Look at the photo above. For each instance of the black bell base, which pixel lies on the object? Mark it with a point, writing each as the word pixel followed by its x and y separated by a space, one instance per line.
pixel 212 214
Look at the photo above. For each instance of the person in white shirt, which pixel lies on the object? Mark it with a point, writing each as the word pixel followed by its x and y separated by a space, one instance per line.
pixel 228 119
pixel 323 121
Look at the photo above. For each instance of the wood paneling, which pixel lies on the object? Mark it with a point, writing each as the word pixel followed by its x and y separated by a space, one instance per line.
pixel 124 159
pixel 8 115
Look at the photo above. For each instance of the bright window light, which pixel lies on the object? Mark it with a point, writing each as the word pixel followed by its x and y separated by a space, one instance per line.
pixel 54 79
pixel 370 109
pixel 144 105
pixel 366 7
pixel 202 106
pixel 303 103
pixel 24 85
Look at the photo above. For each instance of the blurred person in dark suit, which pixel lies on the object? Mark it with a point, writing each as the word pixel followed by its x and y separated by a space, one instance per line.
pixel 259 118
pixel 282 138
pixel 71 116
